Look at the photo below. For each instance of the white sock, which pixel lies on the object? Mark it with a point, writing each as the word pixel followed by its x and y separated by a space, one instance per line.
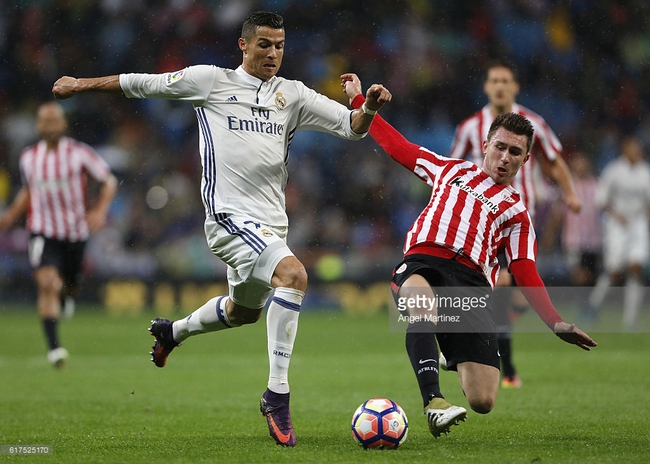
pixel 281 327
pixel 632 297
pixel 210 317
pixel 600 291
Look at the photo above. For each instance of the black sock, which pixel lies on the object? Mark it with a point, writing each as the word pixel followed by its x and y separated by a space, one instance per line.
pixel 49 326
pixel 423 352
pixel 504 340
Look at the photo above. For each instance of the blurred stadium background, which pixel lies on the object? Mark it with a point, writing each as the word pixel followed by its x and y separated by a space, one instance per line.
pixel 581 65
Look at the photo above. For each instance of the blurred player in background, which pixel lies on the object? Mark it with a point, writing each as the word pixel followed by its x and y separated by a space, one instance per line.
pixel 247 119
pixel 624 196
pixel 501 87
pixel 54 173
pixel 582 233
pixel 473 216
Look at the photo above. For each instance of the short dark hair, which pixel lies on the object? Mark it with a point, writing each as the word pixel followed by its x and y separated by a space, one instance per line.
pixel 515 123
pixel 260 19
pixel 502 64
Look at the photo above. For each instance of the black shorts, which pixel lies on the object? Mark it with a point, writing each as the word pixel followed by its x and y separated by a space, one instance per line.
pixel 67 257
pixel 469 338
pixel 590 260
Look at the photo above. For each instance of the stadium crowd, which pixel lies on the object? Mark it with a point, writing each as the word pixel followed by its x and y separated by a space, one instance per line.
pixel 580 64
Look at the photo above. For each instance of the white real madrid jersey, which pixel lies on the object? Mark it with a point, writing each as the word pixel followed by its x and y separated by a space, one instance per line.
pixel 625 187
pixel 245 130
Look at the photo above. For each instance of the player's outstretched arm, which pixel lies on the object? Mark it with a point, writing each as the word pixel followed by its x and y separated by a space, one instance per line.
pixel 66 86
pixel 393 143
pixel 531 285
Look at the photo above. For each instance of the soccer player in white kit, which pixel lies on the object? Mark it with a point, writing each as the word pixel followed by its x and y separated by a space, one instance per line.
pixel 54 173
pixel 247 118
pixel 624 196
pixel 501 87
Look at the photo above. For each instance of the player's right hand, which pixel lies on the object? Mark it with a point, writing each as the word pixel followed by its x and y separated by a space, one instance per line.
pixel 65 87
pixel 378 96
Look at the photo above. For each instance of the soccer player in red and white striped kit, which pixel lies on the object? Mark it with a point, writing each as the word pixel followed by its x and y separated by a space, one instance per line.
pixel 501 86
pixel 473 215
pixel 54 173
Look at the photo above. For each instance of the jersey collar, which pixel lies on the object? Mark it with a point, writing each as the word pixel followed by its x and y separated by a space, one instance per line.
pixel 248 79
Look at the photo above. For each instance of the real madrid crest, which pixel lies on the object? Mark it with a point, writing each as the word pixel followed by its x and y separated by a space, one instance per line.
pixel 267 233
pixel 280 101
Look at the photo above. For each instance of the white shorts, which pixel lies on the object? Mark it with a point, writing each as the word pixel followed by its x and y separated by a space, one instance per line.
pixel 625 244
pixel 251 250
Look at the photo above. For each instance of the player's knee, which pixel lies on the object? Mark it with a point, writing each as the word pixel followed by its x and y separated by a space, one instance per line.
pixel 291 274
pixel 49 283
pixel 482 404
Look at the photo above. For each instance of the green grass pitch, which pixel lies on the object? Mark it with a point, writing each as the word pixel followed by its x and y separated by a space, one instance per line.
pixel 111 405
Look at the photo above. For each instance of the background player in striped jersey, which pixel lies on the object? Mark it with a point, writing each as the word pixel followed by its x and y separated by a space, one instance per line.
pixel 501 87
pixel 581 233
pixel 247 119
pixel 54 173
pixel 473 215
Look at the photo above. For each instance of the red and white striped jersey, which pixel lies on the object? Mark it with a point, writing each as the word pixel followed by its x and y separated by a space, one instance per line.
pixel 471 133
pixel 56 180
pixel 582 231
pixel 468 212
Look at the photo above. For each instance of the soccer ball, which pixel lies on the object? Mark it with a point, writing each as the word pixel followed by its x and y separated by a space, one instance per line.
pixel 379 423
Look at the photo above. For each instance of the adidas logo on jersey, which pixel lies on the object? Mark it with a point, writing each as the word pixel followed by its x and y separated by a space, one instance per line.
pixel 232 99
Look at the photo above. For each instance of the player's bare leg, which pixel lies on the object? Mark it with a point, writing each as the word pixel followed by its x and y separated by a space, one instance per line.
pixel 49 284
pixel 480 383
pixel 68 303
pixel 598 294
pixel 632 296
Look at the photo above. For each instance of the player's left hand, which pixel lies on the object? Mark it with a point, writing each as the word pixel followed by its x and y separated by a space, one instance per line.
pixel 351 85
pixel 571 334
